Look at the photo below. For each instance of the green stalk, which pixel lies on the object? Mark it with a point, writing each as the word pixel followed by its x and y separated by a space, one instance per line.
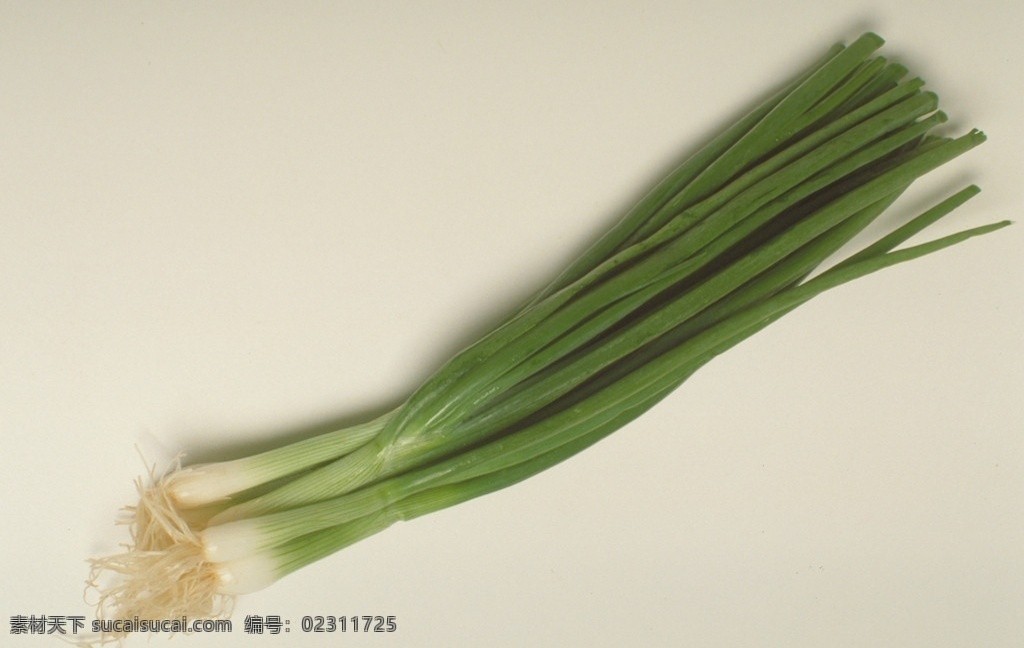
pixel 434 432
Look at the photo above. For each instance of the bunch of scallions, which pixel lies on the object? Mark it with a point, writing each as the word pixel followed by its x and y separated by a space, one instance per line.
pixel 730 241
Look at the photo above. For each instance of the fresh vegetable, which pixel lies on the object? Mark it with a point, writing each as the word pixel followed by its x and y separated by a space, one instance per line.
pixel 729 242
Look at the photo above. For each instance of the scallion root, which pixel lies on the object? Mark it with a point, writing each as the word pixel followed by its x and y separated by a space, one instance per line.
pixel 163 572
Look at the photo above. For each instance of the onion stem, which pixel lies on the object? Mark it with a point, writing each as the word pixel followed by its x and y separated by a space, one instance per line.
pixel 733 239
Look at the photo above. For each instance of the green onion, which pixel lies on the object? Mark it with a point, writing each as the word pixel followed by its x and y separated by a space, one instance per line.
pixel 729 242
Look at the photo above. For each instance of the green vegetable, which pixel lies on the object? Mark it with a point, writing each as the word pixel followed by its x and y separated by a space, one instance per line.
pixel 729 242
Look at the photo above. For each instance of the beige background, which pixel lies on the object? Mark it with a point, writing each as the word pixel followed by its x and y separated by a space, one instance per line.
pixel 225 222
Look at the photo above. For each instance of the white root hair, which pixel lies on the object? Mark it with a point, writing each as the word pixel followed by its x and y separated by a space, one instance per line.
pixel 163 573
